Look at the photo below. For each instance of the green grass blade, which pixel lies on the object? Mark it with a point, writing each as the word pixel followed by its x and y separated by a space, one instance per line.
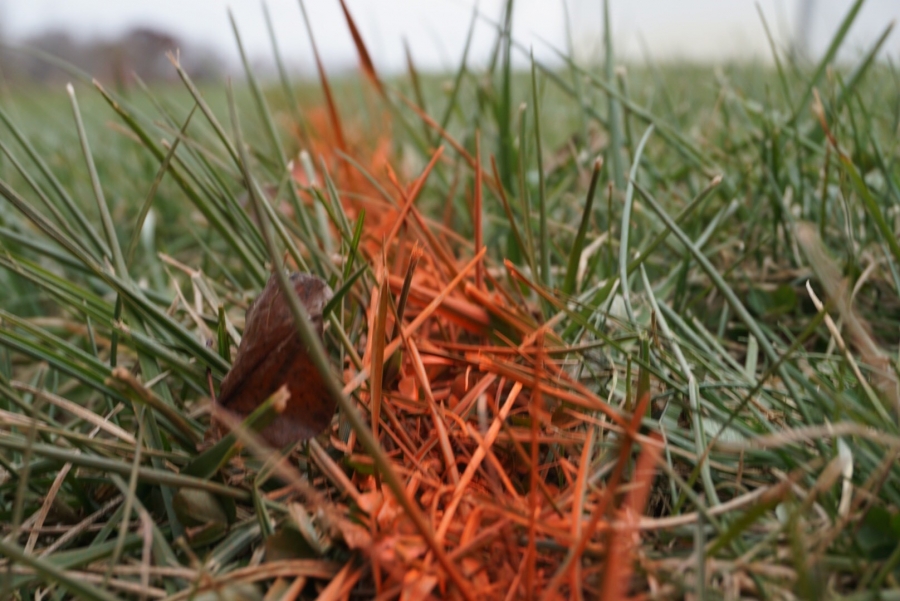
pixel 67 200
pixel 112 239
pixel 578 245
pixel 826 59
pixel 452 99
pixel 626 224
pixel 544 234
pixel 51 572
pixel 736 305
pixel 148 201
pixel 614 117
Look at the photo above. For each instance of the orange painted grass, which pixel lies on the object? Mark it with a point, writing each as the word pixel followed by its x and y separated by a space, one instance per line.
pixel 468 392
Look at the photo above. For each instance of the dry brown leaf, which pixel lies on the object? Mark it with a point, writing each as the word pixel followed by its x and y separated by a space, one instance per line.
pixel 271 354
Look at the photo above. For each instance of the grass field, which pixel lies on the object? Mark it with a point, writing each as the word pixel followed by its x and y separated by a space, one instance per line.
pixel 673 371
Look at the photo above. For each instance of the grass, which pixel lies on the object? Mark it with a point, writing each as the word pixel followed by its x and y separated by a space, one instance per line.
pixel 670 370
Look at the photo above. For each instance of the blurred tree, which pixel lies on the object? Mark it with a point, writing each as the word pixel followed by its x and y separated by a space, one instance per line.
pixel 140 52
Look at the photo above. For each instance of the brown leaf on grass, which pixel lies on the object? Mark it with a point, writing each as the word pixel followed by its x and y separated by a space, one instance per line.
pixel 271 354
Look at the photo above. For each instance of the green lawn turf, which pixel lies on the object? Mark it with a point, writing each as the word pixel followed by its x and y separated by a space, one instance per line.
pixel 716 186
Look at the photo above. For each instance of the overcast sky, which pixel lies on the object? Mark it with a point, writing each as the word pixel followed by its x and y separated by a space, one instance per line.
pixel 707 30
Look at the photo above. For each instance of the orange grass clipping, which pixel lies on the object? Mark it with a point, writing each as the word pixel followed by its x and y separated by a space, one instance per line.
pixel 464 394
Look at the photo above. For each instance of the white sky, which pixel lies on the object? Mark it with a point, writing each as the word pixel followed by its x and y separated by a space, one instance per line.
pixel 708 30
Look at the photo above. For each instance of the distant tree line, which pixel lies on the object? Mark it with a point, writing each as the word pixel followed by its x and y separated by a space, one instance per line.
pixel 140 52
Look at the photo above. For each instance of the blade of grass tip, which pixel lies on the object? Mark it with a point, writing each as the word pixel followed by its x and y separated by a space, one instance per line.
pixel 736 305
pixel 365 60
pixel 622 82
pixel 209 462
pixel 693 393
pixel 850 84
pixel 50 229
pixel 501 193
pixel 161 404
pixel 354 242
pixel 200 149
pixel 414 257
pixel 673 136
pixel 266 528
pixel 336 208
pixel 60 220
pixel 577 85
pixel 457 80
pixel 326 88
pixel 546 277
pixel 266 206
pixel 614 119
pixel 224 340
pixel 848 88
pixel 523 193
pixel 626 225
pixel 341 292
pixel 204 106
pixel 578 245
pixel 377 372
pixel 826 60
pixel 73 209
pixel 679 142
pixel 477 212
pixel 417 89
pixel 410 198
pixel 507 152
pixel 286 87
pixel 320 361
pixel 51 573
pixel 647 250
pixel 252 266
pixel 859 184
pixel 785 88
pixel 323 211
pixel 277 157
pixel 151 194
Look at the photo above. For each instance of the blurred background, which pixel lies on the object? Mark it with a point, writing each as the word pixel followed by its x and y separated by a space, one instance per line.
pixel 113 39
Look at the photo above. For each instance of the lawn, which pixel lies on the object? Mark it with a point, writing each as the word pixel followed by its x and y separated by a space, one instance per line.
pixel 595 332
